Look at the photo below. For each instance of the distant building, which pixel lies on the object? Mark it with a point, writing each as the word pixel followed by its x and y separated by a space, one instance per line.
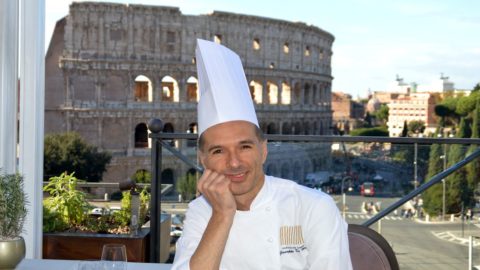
pixel 440 85
pixel 400 87
pixel 347 113
pixel 413 107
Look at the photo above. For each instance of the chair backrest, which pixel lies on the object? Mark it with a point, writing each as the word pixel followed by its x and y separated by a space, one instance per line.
pixel 369 250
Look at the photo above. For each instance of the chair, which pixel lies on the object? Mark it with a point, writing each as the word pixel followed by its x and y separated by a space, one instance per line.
pixel 369 250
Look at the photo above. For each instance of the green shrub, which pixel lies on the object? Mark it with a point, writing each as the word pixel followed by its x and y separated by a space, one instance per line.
pixel 13 201
pixel 66 200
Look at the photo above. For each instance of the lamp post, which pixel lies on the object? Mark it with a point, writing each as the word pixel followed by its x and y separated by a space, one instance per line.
pixel 344 195
pixel 415 175
pixel 443 180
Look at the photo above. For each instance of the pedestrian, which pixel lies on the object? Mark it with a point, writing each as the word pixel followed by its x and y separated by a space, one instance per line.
pixel 469 214
pixel 244 218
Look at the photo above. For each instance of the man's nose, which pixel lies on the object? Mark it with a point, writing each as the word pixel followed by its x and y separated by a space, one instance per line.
pixel 233 160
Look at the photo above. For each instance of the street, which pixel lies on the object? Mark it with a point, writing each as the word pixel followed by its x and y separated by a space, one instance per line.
pixel 417 244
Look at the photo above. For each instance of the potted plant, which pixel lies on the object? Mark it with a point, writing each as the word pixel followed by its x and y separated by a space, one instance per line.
pixel 13 211
pixel 72 232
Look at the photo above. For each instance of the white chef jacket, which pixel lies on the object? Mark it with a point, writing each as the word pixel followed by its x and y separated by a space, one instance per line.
pixel 288 226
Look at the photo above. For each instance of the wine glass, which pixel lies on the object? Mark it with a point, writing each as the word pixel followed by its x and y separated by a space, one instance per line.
pixel 114 257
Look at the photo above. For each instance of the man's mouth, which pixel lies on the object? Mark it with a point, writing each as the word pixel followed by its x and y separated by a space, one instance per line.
pixel 237 177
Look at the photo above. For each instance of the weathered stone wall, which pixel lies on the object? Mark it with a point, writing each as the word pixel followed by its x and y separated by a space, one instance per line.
pixel 101 53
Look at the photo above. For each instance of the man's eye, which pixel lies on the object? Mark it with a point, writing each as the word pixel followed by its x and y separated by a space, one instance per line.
pixel 217 151
pixel 246 146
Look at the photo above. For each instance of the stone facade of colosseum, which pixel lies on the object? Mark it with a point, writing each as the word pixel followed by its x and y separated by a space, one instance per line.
pixel 110 68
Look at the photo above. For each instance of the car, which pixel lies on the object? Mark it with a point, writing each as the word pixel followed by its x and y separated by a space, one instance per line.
pixel 367 189
pixel 97 211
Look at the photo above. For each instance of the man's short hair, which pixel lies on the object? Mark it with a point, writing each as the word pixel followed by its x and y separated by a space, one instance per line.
pixel 258 133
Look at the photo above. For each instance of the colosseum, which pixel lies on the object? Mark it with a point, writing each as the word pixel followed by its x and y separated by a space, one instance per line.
pixel 110 68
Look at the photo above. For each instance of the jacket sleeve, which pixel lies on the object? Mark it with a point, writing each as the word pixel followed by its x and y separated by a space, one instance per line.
pixel 327 236
pixel 196 220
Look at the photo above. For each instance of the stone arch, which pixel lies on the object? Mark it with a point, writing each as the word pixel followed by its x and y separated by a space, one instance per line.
pixel 263 127
pixel 193 129
pixel 297 172
pixel 143 89
pixel 307 99
pixel 272 93
pixel 315 128
pixel 272 128
pixel 286 97
pixel 314 94
pixel 168 176
pixel 256 91
pixel 169 128
pixel 297 93
pixel 307 167
pixel 271 169
pixel 320 129
pixel 286 128
pixel 170 91
pixel 141 136
pixel 307 128
pixel 314 164
pixel 298 129
pixel 285 171
pixel 192 89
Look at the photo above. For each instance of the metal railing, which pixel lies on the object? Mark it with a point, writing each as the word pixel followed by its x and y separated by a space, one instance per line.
pixel 158 143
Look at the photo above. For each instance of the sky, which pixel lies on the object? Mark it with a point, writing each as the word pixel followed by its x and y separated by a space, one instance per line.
pixel 375 40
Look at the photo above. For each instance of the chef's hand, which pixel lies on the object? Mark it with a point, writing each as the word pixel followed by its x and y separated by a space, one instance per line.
pixel 216 189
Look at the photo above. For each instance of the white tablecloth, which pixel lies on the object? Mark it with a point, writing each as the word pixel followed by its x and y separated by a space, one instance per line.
pixel 34 264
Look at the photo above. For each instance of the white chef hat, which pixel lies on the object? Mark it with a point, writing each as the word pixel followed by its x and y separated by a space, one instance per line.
pixel 224 91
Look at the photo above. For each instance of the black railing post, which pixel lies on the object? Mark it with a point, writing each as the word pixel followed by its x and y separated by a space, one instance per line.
pixel 155 126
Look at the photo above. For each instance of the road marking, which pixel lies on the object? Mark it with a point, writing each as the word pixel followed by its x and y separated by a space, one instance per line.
pixel 357 215
pixel 450 237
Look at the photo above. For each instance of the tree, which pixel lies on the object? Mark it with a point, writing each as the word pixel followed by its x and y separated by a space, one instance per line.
pixel 382 113
pixel 367 121
pixel 432 197
pixel 466 105
pixel 142 176
pixel 476 120
pixel 405 129
pixel 416 127
pixel 476 88
pixel 375 131
pixel 187 186
pixel 447 110
pixel 474 166
pixel 464 129
pixel 458 191
pixel 68 152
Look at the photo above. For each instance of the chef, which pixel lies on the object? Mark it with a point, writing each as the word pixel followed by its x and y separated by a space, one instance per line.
pixel 245 219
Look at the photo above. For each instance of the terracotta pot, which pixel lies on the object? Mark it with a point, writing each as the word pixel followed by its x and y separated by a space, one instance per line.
pixel 11 253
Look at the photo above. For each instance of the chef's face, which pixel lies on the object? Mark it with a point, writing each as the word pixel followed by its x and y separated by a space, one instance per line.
pixel 236 150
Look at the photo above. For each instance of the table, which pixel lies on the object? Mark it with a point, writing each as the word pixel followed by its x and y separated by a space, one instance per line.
pixel 37 264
